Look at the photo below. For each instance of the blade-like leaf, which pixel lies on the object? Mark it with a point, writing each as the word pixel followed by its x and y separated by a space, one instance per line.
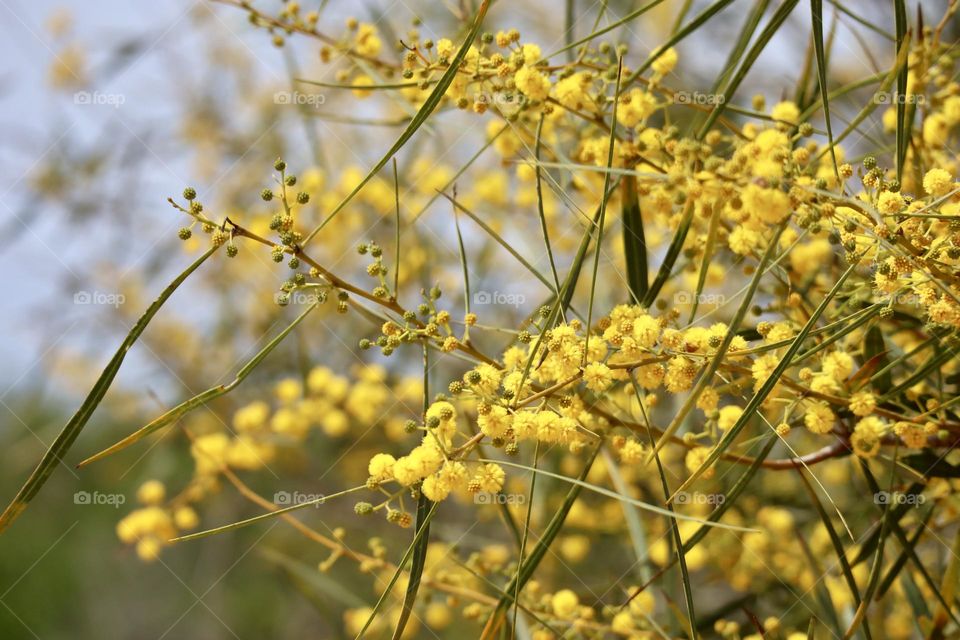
pixel 200 399
pixel 634 242
pixel 431 103
pixel 768 386
pixel 68 435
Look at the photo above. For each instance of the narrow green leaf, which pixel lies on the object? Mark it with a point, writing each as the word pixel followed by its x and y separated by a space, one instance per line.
pixel 634 242
pixel 68 435
pixel 816 10
pixel 421 541
pixel 670 258
pixel 903 138
pixel 526 569
pixel 200 399
pixel 706 378
pixel 770 383
pixel 265 516
pixel 422 530
pixel 679 35
pixel 622 498
pixel 773 27
pixel 838 549
pixel 431 103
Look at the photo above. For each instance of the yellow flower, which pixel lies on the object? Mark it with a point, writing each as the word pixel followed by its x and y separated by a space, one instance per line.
pixel 565 603
pixel 367 41
pixel 937 182
pixel 862 403
pixel 764 204
pixel 495 422
pixel 632 452
pixel 635 107
pixel 728 417
pixel 151 492
pixel 890 202
pixel 534 84
pixel 597 376
pixel 445 49
pixel 489 477
pixel 381 466
pixel 665 63
pixel 786 111
pixel 819 418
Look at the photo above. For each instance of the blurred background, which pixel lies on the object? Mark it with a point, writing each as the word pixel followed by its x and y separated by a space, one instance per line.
pixel 107 109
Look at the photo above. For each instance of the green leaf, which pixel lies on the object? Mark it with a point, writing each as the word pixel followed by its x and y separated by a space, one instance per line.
pixel 421 532
pixel 875 349
pixel 421 541
pixel 903 138
pixel 634 243
pixel 838 549
pixel 670 258
pixel 200 399
pixel 758 398
pixel 526 569
pixel 772 28
pixel 68 435
pixel 431 103
pixel 706 378
pixel 816 10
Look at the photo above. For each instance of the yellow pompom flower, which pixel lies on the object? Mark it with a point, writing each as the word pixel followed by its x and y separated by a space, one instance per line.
pixel 890 202
pixel 597 376
pixel 862 403
pixel 565 604
pixel 489 478
pixel 534 84
pixel 819 418
pixel 786 111
pixel 765 204
pixel 632 452
pixel 937 182
pixel 380 466
pixel 728 417
pixel 665 62
pixel 151 492
pixel 495 422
